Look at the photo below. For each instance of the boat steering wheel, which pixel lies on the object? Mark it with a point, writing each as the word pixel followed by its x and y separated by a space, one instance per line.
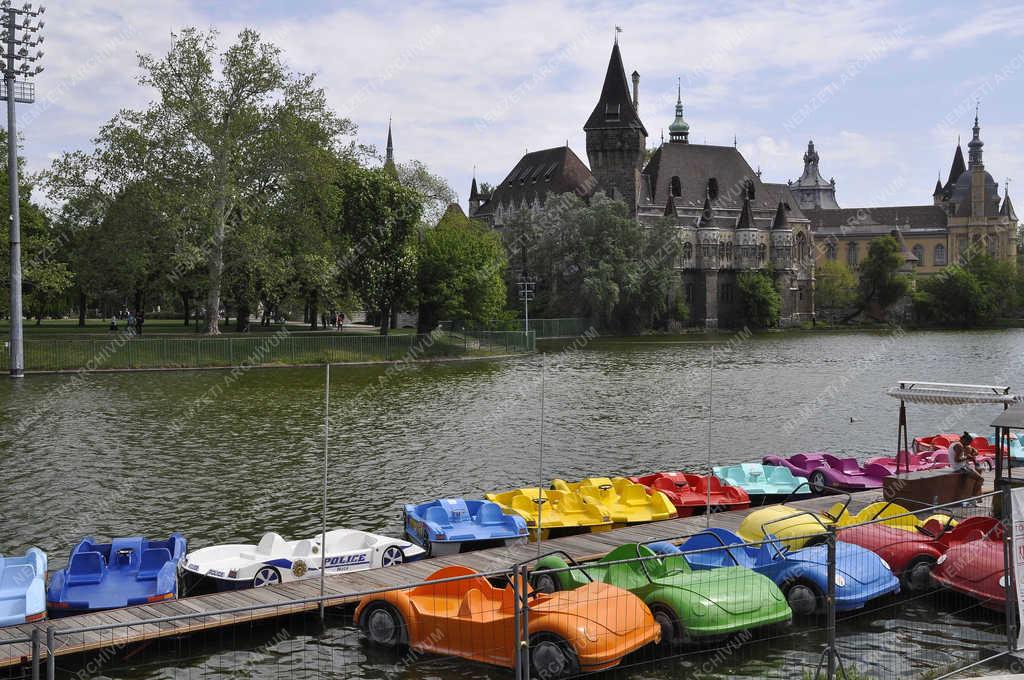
pixel 605 487
pixel 539 501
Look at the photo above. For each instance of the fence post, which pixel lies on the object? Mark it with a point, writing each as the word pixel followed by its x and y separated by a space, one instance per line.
pixel 521 595
pixel 1009 573
pixel 35 654
pixel 231 352
pixel 51 656
pixel 830 603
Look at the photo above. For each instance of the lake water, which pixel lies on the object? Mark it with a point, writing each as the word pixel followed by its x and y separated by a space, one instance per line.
pixel 223 458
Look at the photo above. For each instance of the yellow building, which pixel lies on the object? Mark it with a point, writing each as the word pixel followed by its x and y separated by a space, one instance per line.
pixel 966 217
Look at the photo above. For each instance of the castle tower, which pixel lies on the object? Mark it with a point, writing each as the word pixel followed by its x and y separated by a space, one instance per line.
pixel 389 158
pixel 474 197
pixel 811 190
pixel 616 138
pixel 977 170
pixel 707 242
pixel 679 129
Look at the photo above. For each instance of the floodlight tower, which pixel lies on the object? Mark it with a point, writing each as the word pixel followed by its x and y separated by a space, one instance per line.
pixel 21 40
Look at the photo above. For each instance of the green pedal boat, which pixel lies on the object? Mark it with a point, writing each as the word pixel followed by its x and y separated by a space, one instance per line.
pixel 690 606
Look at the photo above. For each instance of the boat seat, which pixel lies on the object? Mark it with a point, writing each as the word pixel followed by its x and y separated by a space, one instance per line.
pixel 134 544
pixel 635 495
pixel 153 560
pixel 14 581
pixel 437 515
pixel 270 544
pixel 490 514
pixel 665 484
pixel 474 602
pixel 303 548
pixel 86 568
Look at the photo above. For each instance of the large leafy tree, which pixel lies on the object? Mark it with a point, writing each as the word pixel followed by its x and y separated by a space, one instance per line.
pixel 378 217
pixel 955 297
pixel 434 191
pixel 835 286
pixel 460 272
pixel 241 125
pixel 880 282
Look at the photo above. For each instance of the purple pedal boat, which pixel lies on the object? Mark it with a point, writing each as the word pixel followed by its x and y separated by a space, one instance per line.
pixel 823 471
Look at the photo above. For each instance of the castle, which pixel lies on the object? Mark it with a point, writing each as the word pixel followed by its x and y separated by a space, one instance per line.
pixel 728 219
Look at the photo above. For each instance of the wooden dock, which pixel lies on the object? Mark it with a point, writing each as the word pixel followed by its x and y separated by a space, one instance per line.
pixel 207 612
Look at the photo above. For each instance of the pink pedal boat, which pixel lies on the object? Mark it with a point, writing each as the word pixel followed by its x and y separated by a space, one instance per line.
pixel 825 472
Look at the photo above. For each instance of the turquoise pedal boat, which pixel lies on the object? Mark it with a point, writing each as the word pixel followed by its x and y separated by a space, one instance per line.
pixel 765 484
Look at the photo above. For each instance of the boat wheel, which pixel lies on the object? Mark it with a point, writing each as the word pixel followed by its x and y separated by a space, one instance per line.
pixel 392 555
pixel 383 625
pixel 917 577
pixel 802 599
pixel 669 627
pixel 266 576
pixel 552 657
pixel 817 482
pixel 545 583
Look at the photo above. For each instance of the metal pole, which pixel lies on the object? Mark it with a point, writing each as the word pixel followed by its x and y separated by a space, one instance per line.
pixel 17 368
pixel 1009 573
pixel 51 656
pixel 540 459
pixel 711 391
pixel 323 519
pixel 830 603
pixel 517 614
pixel 35 654
pixel 524 623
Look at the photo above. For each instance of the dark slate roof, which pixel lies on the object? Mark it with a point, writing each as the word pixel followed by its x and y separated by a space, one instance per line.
pixel 961 195
pixel 539 173
pixel 746 220
pixel 695 164
pixel 938 188
pixel 955 170
pixel 917 216
pixel 473 192
pixel 780 221
pixel 1007 209
pixel 614 109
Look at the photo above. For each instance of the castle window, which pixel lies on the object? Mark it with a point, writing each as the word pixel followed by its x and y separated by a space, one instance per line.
pixel 728 251
pixel 713 188
pixel 721 250
pixel 918 251
pixel 762 253
pixel 687 251
pixel 851 254
pixel 940 255
pixel 550 170
pixel 801 247
pixel 830 250
pixel 677 186
pixel 992 247
pixel 612 112
pixel 688 288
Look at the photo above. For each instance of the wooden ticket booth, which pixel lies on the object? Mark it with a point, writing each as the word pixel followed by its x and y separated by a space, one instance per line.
pixel 923 488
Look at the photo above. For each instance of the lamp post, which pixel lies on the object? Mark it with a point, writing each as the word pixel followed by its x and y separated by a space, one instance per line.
pixel 527 284
pixel 19 41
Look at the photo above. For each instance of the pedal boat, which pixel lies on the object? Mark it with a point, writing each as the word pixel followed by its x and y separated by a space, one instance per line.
pixel 823 471
pixel 689 493
pixel 763 484
pixel 274 560
pixel 625 501
pixel 125 572
pixel 23 588
pixel 561 513
pixel 454 525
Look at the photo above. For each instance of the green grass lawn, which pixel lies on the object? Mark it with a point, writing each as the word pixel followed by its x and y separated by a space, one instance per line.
pixel 51 328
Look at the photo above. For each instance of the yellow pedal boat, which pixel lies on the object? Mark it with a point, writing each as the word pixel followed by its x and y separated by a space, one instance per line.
pixel 625 501
pixel 798 528
pixel 562 513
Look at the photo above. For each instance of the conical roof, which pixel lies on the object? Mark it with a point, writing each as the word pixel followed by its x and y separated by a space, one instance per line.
pixel 746 220
pixel 614 109
pixel 781 221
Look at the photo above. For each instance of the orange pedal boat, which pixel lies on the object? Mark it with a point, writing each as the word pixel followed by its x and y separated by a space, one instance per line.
pixel 573 632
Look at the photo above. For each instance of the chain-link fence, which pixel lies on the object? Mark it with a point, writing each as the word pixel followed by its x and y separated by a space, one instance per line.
pixel 877 593
pixel 544 328
pixel 123 351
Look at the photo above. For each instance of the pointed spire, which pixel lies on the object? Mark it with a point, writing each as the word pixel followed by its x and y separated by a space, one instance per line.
pixel 389 158
pixel 734 145
pixel 746 220
pixel 615 108
pixel 670 206
pixel 1007 208
pixel 938 187
pixel 474 194
pixel 679 129
pixel 780 222
pixel 956 169
pixel 974 146
pixel 706 215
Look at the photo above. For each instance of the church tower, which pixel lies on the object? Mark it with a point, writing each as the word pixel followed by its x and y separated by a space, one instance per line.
pixel 616 138
pixel 389 158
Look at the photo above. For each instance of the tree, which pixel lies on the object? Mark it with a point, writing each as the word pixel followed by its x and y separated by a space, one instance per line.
pixel 880 283
pixel 955 297
pixel 835 286
pixel 999 281
pixel 434 191
pixel 380 217
pixel 759 301
pixel 460 272
pixel 239 127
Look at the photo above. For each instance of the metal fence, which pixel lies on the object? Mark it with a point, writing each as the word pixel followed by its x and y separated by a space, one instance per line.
pixel 811 601
pixel 124 351
pixel 544 328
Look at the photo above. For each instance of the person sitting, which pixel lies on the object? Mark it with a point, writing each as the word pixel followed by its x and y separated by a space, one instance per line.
pixel 963 459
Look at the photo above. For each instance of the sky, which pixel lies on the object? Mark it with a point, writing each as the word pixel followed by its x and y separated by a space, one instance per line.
pixel 883 88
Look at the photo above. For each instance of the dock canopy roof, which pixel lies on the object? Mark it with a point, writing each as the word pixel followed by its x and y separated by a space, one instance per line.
pixel 1012 418
pixel 952 394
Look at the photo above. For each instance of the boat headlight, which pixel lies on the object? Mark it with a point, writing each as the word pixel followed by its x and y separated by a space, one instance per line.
pixel 700 609
pixel 885 564
pixel 233 573
pixel 840 581
pixel 1002 581
pixel 942 558
pixel 439 537
pixel 592 636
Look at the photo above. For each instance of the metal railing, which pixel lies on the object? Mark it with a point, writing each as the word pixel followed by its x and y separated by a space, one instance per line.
pixel 122 351
pixel 544 328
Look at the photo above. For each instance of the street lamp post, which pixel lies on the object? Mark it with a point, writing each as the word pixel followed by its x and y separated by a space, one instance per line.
pixel 526 287
pixel 19 39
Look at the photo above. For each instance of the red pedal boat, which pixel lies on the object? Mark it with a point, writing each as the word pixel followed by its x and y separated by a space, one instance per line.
pixel 973 563
pixel 689 493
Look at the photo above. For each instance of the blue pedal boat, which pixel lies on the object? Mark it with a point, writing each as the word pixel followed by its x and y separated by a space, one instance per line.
pixel 454 525
pixel 802 575
pixel 23 588
pixel 765 484
pixel 125 572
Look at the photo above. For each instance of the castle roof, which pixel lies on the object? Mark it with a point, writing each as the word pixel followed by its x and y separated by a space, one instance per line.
pixel 539 174
pixel 872 219
pixel 955 170
pixel 615 109
pixel 1007 209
